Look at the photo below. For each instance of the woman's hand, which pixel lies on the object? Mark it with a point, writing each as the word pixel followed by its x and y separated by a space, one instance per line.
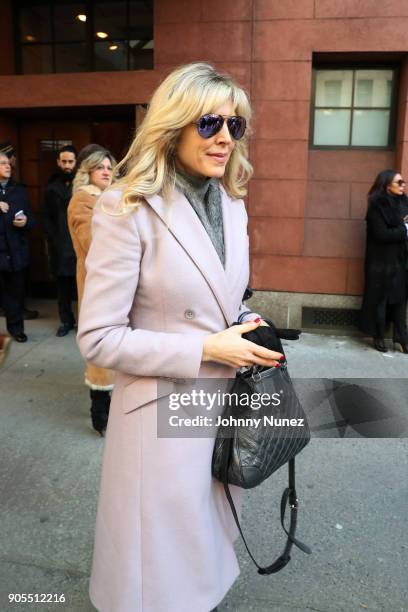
pixel 4 207
pixel 20 221
pixel 227 347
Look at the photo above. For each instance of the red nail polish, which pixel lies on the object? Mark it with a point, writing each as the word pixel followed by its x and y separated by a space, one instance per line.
pixel 257 320
pixel 278 365
pixel 282 358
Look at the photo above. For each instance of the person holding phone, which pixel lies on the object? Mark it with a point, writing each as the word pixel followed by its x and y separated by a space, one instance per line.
pixel 15 220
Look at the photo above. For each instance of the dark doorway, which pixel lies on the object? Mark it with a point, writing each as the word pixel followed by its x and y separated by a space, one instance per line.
pixel 40 135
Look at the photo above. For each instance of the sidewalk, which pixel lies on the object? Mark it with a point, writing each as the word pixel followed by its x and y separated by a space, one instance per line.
pixel 353 491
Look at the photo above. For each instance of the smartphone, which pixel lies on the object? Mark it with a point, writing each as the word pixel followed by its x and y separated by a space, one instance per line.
pixel 18 214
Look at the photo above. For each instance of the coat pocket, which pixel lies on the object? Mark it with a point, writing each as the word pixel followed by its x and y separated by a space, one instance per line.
pixel 140 391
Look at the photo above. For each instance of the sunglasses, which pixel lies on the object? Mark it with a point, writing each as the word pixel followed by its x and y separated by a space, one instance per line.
pixel 401 182
pixel 209 125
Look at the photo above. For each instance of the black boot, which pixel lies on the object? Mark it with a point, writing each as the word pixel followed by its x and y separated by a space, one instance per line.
pixel 379 345
pixel 100 410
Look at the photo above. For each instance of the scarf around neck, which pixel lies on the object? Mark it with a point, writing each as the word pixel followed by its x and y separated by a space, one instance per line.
pixel 204 196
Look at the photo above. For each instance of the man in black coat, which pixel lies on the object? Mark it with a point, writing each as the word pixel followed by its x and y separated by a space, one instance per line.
pixel 8 149
pixel 62 255
pixel 15 219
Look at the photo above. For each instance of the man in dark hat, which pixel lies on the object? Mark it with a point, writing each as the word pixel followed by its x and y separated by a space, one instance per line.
pixel 63 261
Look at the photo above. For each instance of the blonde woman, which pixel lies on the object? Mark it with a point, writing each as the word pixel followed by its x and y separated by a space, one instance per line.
pixel 166 271
pixel 93 176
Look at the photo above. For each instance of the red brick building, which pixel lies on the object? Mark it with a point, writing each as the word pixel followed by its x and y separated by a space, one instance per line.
pixel 328 81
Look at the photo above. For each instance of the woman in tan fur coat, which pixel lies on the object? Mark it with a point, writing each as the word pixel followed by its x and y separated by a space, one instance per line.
pixel 94 175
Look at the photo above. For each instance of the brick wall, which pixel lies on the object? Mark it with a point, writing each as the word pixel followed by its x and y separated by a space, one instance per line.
pixel 307 206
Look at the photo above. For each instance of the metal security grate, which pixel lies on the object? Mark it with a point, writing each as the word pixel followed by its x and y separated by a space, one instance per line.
pixel 330 318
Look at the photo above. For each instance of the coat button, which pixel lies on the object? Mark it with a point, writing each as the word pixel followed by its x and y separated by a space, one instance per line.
pixel 189 314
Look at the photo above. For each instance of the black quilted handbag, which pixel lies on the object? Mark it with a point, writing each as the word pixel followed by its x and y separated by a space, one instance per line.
pixel 253 444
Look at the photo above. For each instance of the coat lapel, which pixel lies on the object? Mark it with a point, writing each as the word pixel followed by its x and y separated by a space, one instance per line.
pixel 182 221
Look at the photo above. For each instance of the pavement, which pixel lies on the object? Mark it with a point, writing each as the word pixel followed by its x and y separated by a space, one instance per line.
pixel 351 478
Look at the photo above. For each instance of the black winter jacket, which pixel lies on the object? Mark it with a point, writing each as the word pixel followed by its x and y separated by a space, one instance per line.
pixel 56 199
pixel 14 251
pixel 386 257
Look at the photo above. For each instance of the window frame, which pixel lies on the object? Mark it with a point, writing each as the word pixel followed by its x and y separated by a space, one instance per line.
pixel 89 39
pixel 393 106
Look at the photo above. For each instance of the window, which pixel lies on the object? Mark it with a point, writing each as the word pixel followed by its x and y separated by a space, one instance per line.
pixel 88 35
pixel 352 108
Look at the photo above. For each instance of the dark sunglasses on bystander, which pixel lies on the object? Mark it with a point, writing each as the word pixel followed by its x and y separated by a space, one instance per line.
pixel 209 125
pixel 401 182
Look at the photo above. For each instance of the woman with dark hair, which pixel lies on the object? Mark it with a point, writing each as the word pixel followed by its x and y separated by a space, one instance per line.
pixel 385 292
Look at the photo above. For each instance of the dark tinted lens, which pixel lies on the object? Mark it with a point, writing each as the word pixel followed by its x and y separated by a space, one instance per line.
pixel 208 125
pixel 236 126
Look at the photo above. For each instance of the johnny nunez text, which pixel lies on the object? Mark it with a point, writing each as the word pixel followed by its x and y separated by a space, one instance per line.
pixel 231 421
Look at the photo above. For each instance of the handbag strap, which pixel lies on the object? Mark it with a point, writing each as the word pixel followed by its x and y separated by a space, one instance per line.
pixel 289 495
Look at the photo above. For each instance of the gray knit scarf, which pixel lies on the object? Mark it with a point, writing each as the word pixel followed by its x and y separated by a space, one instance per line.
pixel 204 196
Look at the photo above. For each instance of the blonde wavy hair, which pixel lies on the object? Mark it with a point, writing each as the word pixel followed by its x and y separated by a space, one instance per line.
pixel 186 94
pixel 88 165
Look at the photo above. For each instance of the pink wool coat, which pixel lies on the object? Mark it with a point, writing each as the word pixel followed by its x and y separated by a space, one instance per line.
pixel 154 288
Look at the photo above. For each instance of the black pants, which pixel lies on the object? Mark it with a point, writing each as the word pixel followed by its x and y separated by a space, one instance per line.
pixel 12 286
pixel 66 291
pixel 396 313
